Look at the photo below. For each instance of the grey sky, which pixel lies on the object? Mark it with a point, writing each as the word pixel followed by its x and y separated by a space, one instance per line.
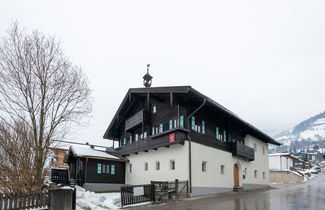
pixel 263 60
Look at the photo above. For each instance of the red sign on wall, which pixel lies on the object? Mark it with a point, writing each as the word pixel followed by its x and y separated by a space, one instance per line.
pixel 172 137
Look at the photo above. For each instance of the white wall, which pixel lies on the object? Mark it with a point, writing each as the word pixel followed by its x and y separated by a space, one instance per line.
pixel 177 152
pixel 279 162
pixel 215 158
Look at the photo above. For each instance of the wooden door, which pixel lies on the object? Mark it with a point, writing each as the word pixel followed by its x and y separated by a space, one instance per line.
pixel 236 176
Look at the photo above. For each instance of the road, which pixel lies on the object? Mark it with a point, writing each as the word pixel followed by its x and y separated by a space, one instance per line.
pixel 309 195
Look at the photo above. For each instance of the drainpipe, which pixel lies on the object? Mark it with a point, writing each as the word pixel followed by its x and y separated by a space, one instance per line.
pixel 190 143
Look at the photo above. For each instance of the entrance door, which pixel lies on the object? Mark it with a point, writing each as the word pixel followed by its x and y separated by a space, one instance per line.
pixel 236 176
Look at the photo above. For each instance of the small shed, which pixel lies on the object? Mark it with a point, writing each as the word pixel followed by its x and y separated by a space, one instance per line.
pixel 94 169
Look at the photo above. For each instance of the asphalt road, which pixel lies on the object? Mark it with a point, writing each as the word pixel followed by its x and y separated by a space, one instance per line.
pixel 309 195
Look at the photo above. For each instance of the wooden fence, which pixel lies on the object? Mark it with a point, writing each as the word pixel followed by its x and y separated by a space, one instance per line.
pixel 23 200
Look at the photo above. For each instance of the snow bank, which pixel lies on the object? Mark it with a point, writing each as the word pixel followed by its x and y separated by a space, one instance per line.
pixel 89 200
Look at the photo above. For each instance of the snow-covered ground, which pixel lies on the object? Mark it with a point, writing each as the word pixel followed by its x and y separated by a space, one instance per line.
pixel 89 200
pixel 99 201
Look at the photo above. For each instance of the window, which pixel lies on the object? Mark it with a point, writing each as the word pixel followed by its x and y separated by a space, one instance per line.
pixel 222 171
pixel 112 169
pixel 156 130
pixel 245 171
pixel 154 109
pixel 136 137
pixel 153 131
pixel 193 123
pixel 172 164
pixel 263 175
pixel 170 124
pixel 124 141
pixel 204 166
pixel 203 127
pixel 145 135
pixel 141 136
pixel 175 123
pixel 255 173
pixel 181 121
pixel 157 165
pixel 130 167
pixel 146 166
pixel 218 135
pixel 161 127
pixel 224 136
pixel 99 168
pixel 130 139
pixel 255 147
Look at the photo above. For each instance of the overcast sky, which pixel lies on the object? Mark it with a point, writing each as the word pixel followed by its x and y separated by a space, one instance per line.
pixel 263 60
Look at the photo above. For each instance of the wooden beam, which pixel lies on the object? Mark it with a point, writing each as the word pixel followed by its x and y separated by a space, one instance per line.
pixel 171 98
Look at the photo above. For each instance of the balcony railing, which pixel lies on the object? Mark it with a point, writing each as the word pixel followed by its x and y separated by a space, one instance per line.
pixel 243 151
pixel 166 138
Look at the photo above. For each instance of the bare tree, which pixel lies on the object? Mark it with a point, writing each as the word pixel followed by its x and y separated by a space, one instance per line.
pixel 41 90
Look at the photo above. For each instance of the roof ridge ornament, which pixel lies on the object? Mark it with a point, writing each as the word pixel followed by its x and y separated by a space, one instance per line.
pixel 147 78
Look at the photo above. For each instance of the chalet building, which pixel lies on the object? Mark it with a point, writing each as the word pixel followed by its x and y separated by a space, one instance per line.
pixel 176 132
pixel 282 161
pixel 95 170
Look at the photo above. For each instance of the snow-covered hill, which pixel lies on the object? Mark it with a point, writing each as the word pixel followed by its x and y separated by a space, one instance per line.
pixel 310 130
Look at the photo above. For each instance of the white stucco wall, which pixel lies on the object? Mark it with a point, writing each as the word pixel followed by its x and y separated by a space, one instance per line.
pixel 278 162
pixel 177 152
pixel 215 158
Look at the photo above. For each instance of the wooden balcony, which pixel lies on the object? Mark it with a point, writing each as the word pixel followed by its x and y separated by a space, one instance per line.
pixel 243 151
pixel 164 139
pixel 138 118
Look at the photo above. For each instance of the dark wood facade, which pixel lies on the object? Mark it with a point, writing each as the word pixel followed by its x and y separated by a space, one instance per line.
pixel 149 118
pixel 85 170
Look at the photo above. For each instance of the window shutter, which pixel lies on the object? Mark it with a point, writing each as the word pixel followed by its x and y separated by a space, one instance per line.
pixel 203 127
pixel 181 121
pixel 193 123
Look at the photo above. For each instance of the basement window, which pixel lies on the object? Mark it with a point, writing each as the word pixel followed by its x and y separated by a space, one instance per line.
pixel 146 166
pixel 204 166
pixel 157 165
pixel 172 164
pixel 222 170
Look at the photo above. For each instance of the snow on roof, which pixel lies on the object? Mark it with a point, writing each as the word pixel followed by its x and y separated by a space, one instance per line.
pixel 90 152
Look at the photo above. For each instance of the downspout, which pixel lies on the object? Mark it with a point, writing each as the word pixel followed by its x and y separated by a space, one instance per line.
pixel 190 143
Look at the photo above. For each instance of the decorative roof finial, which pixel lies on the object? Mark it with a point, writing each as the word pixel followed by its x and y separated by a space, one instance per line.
pixel 147 78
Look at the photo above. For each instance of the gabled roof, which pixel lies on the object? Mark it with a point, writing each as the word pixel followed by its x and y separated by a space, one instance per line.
pixel 196 96
pixel 87 152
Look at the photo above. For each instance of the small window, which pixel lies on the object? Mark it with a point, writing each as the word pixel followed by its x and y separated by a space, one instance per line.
pixel 175 124
pixel 157 165
pixel 222 169
pixel 130 168
pixel 263 175
pixel 124 141
pixel 170 124
pixel 193 123
pixel 181 121
pixel 255 173
pixel 203 127
pixel 255 147
pixel 136 137
pixel 245 171
pixel 154 108
pixel 204 166
pixel 161 127
pixel 99 168
pixel 145 135
pixel 141 136
pixel 153 130
pixel 112 169
pixel 224 135
pixel 131 139
pixel 146 166
pixel 172 164
pixel 156 130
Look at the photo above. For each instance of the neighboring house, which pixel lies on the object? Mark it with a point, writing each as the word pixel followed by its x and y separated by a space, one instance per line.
pixel 95 170
pixel 57 156
pixel 282 161
pixel 170 133
pixel 282 168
